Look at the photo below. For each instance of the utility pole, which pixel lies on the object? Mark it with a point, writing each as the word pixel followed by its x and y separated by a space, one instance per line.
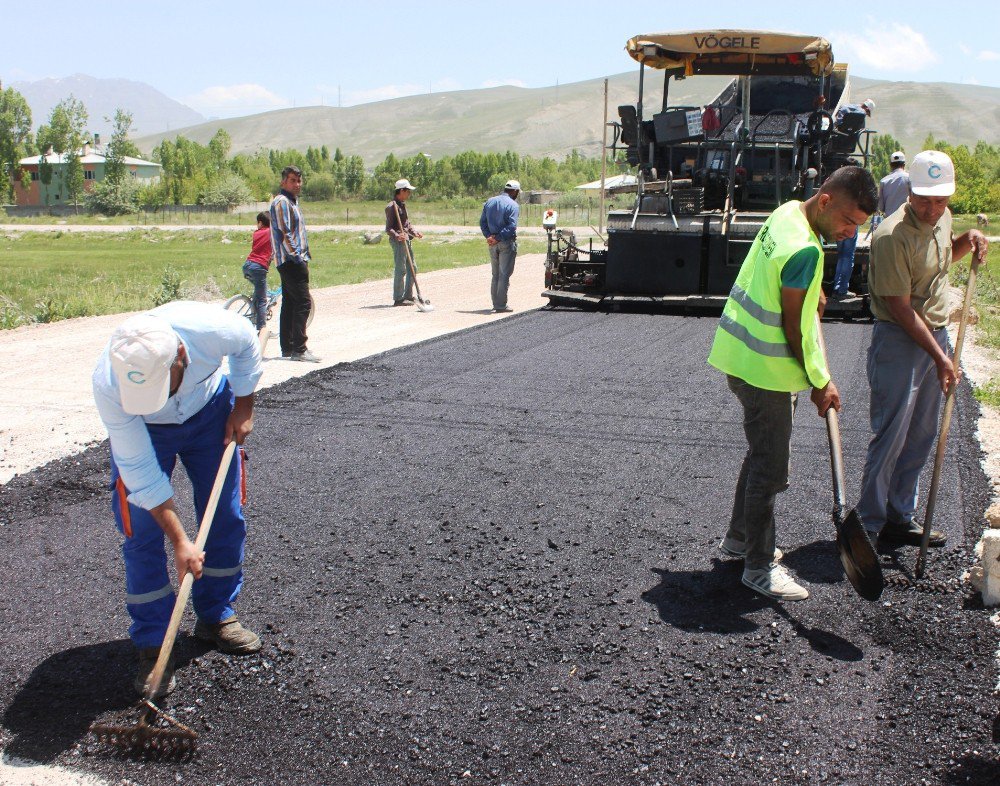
pixel 604 159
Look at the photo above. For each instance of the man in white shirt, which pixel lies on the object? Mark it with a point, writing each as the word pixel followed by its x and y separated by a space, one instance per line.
pixel 160 389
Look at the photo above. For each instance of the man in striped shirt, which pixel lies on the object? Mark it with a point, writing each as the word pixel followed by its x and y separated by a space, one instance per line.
pixel 291 252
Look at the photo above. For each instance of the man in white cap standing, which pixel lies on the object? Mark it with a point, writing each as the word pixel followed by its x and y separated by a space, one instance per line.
pixel 498 223
pixel 401 232
pixel 908 362
pixel 160 389
pixel 894 188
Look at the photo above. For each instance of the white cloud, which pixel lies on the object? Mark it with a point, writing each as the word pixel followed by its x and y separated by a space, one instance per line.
pixel 503 83
pixel 987 56
pixel 234 100
pixel 897 48
pixel 964 50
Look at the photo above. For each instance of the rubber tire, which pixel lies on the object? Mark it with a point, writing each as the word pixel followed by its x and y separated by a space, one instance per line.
pixel 242 305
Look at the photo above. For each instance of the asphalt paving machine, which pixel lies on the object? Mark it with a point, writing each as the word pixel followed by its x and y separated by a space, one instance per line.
pixel 707 177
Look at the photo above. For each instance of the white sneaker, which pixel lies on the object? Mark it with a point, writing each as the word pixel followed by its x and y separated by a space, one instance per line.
pixel 774 582
pixel 304 357
pixel 737 549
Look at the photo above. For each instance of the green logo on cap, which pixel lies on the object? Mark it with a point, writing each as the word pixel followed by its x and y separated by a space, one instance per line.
pixel 136 376
pixel 934 171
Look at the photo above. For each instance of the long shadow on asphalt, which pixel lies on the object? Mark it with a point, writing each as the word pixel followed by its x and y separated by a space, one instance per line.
pixel 713 601
pixel 68 691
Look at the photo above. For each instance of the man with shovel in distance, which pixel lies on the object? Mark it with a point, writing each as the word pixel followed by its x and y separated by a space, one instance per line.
pixel 768 346
pixel 908 362
pixel 162 394
pixel 401 231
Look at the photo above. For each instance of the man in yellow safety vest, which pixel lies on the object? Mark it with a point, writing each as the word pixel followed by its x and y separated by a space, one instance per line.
pixel 768 346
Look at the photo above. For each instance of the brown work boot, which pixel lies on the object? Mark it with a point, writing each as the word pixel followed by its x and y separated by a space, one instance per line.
pixel 229 636
pixel 147 660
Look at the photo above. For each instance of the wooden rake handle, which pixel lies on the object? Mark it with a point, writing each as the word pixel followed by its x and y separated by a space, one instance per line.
pixel 156 676
pixel 949 407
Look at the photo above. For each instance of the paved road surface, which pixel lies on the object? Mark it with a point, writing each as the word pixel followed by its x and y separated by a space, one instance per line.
pixel 490 558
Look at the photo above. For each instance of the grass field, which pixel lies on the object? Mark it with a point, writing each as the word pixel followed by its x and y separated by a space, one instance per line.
pixel 463 212
pixel 46 277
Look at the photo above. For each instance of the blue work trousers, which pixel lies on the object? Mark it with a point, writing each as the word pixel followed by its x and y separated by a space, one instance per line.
pixel 845 264
pixel 257 275
pixel 904 406
pixel 150 595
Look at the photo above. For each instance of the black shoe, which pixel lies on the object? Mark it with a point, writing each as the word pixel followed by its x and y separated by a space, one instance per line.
pixel 909 535
pixel 846 296
pixel 399 302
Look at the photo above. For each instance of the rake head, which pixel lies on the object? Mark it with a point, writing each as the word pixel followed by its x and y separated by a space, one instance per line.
pixel 155 733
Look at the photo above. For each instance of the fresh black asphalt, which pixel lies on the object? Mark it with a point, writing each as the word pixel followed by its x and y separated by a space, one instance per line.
pixel 491 558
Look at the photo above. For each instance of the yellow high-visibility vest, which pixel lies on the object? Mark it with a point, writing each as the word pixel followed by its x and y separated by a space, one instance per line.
pixel 750 341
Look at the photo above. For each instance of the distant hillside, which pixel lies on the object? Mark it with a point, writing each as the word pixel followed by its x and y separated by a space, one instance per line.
pixel 151 110
pixel 555 120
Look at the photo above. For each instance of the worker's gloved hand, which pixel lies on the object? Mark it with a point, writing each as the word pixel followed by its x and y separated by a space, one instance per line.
pixel 188 558
pixel 826 397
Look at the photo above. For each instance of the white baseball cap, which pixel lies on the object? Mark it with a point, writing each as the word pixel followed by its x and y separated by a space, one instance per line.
pixel 404 183
pixel 932 174
pixel 512 185
pixel 142 351
pixel 868 105
pixel 899 157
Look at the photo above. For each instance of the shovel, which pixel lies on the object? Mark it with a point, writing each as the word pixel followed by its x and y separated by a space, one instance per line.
pixel 422 305
pixel 173 737
pixel 949 406
pixel 861 565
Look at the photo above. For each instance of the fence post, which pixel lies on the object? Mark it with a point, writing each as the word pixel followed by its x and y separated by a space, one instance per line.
pixel 348 216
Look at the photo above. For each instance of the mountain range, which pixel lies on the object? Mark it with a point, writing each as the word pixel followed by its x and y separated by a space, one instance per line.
pixel 152 111
pixel 541 121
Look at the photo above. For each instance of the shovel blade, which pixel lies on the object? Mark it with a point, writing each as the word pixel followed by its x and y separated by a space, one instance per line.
pixel 858 557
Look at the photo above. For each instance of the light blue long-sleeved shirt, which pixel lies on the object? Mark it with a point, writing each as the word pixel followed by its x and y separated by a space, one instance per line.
pixel 499 217
pixel 209 334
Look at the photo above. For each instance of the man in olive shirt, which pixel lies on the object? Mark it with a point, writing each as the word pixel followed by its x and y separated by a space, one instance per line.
pixel 908 361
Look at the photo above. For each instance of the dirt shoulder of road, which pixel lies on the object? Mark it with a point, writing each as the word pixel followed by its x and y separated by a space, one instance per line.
pixel 47 410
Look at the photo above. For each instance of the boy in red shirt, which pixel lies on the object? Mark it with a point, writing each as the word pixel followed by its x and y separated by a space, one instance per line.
pixel 256 267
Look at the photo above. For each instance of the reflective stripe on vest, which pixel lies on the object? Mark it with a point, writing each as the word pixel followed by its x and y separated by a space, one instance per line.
pixel 768 348
pixel 754 309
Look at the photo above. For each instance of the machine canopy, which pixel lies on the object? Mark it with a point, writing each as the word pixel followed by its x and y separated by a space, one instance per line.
pixel 734 52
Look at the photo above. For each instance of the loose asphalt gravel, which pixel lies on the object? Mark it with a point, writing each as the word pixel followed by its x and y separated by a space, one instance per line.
pixel 491 558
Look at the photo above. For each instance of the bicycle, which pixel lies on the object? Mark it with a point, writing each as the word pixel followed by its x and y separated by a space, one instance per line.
pixel 243 305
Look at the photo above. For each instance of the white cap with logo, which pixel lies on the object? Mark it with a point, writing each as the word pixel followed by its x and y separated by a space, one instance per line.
pixel 142 351
pixel 899 157
pixel 404 183
pixel 868 105
pixel 932 174
pixel 512 185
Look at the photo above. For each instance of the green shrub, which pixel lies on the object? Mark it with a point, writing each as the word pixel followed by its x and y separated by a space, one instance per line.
pixel 227 191
pixel 114 199
pixel 170 288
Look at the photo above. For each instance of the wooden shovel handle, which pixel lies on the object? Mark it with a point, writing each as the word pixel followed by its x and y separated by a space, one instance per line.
pixel 156 676
pixel 949 407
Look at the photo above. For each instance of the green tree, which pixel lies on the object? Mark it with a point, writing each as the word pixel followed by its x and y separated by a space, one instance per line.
pixel 65 133
pixel 119 147
pixel 15 138
pixel 227 191
pixel 219 147
pixel 882 147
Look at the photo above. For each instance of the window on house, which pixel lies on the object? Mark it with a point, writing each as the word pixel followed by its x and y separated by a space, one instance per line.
pixel 88 174
pixel 34 176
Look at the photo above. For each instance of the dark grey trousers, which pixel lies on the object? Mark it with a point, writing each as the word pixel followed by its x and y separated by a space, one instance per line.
pixel 767 423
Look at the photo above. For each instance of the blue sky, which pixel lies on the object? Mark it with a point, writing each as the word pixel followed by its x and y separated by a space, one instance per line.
pixel 232 58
